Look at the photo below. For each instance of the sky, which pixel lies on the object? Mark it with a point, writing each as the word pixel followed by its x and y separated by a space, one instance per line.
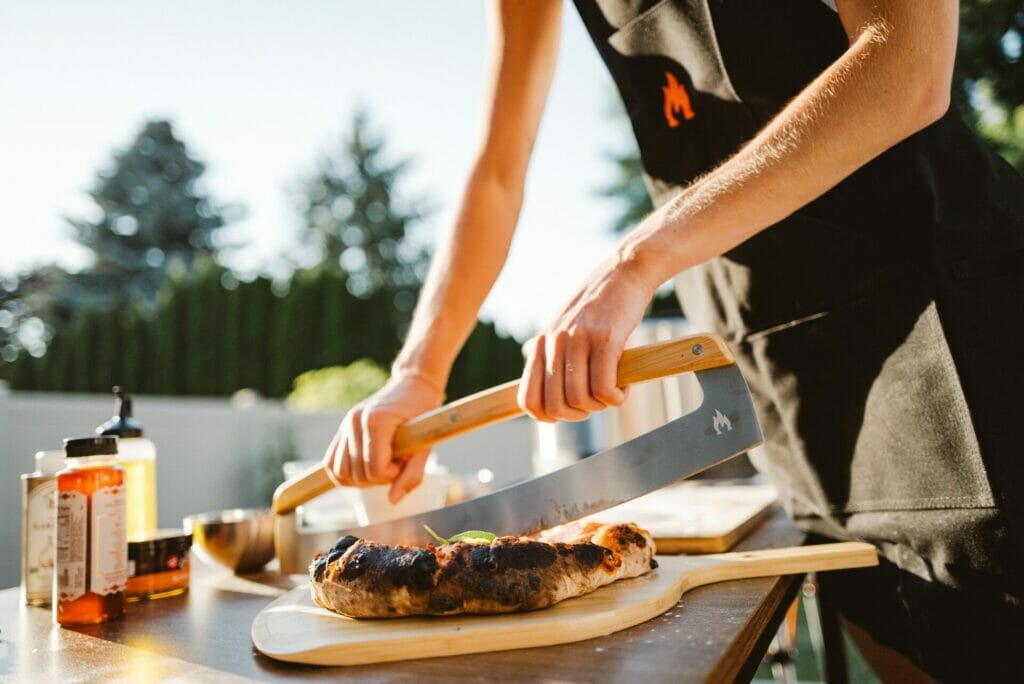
pixel 258 90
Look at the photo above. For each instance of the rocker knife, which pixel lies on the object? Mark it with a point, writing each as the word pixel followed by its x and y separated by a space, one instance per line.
pixel 723 426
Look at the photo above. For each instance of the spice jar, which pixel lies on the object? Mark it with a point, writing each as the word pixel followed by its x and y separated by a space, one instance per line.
pixel 92 548
pixel 38 519
pixel 158 566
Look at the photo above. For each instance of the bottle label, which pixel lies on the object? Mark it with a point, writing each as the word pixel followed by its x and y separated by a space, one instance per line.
pixel 72 530
pixel 41 519
pixel 109 568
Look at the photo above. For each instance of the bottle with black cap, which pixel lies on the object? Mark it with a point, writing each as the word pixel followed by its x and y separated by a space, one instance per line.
pixel 137 455
pixel 91 569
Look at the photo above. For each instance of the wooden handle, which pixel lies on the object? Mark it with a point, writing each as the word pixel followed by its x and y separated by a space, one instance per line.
pixel 699 352
pixel 785 561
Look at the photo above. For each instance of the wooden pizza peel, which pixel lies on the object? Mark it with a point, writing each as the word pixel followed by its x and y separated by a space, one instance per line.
pixel 294 629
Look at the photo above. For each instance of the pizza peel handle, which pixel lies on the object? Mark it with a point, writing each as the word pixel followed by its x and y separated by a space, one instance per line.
pixel 687 354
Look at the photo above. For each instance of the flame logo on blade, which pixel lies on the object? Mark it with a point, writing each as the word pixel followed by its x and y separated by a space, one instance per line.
pixel 721 422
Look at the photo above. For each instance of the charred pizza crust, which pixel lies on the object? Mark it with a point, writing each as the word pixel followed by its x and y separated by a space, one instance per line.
pixel 361 578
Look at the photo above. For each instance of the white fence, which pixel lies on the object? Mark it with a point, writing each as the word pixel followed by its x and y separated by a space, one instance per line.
pixel 218 453
pixel 212 453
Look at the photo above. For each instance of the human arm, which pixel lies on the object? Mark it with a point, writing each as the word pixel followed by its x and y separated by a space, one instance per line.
pixel 892 81
pixel 468 259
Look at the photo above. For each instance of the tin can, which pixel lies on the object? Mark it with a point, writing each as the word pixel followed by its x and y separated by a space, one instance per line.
pixel 158 566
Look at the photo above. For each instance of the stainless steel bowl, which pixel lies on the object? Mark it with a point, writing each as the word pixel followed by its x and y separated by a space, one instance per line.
pixel 240 538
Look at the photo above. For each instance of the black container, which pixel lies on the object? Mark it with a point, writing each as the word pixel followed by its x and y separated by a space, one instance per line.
pixel 158 566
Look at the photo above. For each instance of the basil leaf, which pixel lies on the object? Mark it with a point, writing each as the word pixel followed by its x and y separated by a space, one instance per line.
pixel 474 536
pixel 469 536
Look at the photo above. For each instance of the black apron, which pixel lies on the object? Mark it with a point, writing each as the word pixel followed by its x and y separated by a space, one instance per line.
pixel 880 327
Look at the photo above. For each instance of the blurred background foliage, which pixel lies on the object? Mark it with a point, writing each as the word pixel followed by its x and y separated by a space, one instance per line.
pixel 153 218
pixel 352 217
pixel 337 387
pixel 156 312
pixel 989 78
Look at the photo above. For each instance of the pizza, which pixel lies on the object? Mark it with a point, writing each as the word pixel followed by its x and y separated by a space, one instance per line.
pixel 361 578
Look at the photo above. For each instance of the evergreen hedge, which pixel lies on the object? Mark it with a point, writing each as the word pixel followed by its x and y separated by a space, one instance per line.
pixel 211 335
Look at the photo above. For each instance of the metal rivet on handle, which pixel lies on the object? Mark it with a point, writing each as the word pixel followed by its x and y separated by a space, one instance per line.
pixel 697 349
pixel 453 417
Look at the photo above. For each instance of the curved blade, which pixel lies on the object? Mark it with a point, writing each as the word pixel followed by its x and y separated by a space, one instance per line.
pixel 722 427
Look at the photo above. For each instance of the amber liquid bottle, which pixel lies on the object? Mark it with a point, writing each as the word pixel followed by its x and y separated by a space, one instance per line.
pixel 91 569
pixel 137 456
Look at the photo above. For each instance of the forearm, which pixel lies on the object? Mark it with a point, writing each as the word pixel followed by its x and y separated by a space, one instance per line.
pixel 462 272
pixel 523 53
pixel 893 81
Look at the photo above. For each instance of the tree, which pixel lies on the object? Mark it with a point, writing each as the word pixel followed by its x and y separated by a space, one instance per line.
pixel 152 214
pixel 989 73
pixel 487 358
pixel 353 218
pixel 628 186
pixel 153 218
pixel 206 333
pixel 30 305
pixel 630 190
pixel 989 50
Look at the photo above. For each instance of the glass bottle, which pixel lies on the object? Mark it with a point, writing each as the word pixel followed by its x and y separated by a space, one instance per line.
pixel 137 456
pixel 91 569
pixel 38 519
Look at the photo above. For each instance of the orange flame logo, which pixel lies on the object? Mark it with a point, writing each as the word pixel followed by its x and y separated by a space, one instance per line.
pixel 677 101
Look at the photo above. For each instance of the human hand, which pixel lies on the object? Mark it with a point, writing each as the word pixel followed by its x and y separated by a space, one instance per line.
pixel 571 366
pixel 360 453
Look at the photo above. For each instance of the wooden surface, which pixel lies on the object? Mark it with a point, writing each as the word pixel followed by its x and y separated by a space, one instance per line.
pixel 294 629
pixel 694 353
pixel 697 516
pixel 715 633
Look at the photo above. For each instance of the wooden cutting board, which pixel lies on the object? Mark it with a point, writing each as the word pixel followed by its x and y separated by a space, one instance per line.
pixel 294 629
pixel 697 516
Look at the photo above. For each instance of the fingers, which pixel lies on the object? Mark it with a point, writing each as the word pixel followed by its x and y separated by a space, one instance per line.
pixel 579 393
pixel 377 431
pixel 410 477
pixel 353 463
pixel 337 461
pixel 604 364
pixel 566 378
pixel 555 404
pixel 330 457
pixel 531 386
pixel 360 453
pixel 343 462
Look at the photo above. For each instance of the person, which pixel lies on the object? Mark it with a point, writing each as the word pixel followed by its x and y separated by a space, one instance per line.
pixel 821 204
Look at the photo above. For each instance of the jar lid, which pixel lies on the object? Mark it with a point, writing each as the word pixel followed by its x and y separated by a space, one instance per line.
pixel 163 538
pixel 90 446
